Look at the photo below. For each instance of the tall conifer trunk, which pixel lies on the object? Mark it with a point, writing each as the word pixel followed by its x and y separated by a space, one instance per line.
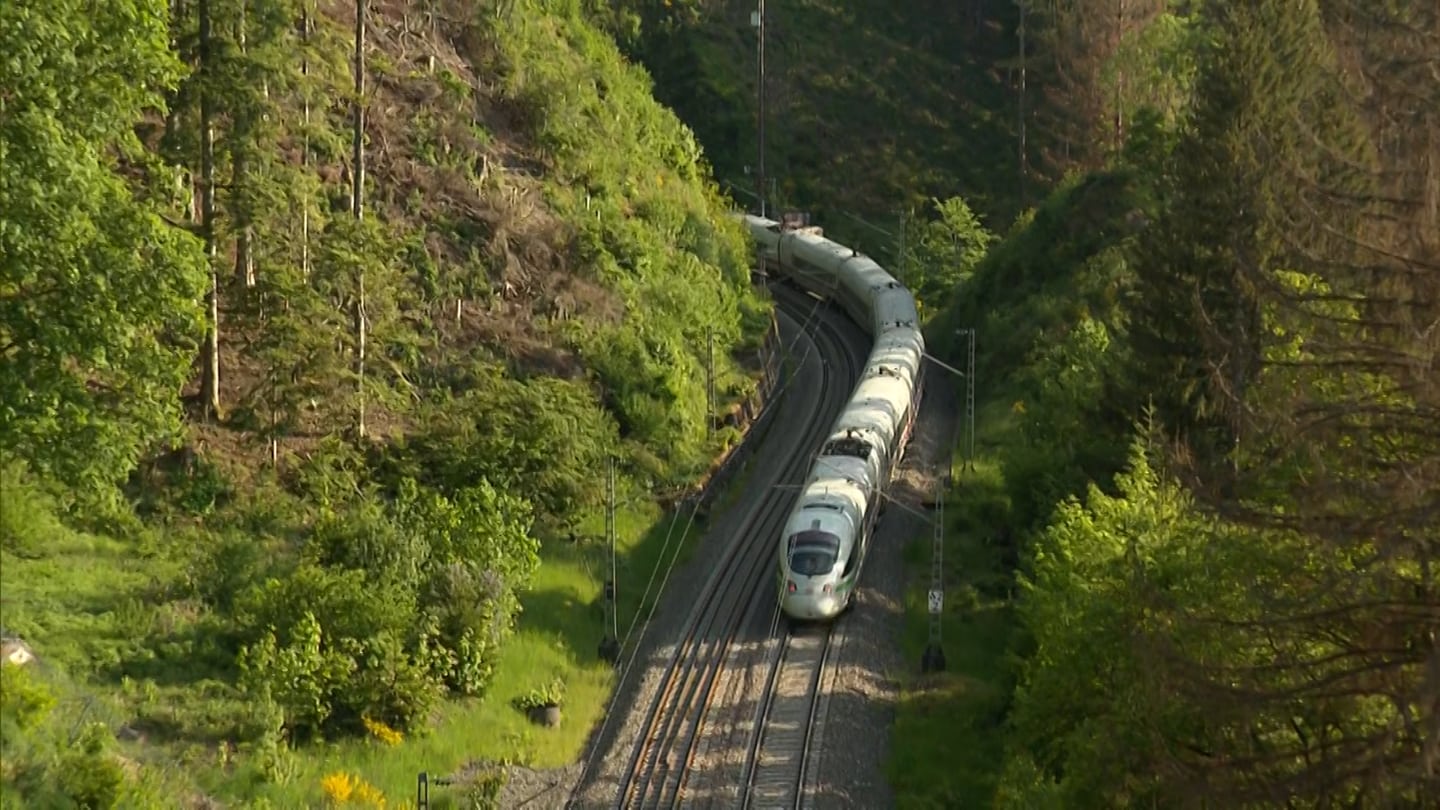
pixel 210 353
pixel 305 138
pixel 358 208
pixel 243 135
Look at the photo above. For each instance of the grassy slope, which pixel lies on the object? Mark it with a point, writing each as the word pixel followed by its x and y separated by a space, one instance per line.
pixel 558 637
pixel 946 748
pixel 90 603
pixel 85 604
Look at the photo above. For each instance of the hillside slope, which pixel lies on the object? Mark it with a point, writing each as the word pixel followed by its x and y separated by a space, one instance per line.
pixel 873 107
pixel 415 397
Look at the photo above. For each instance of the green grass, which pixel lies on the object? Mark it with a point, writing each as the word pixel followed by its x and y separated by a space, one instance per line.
pixel 120 645
pixel 85 604
pixel 949 729
pixel 558 637
pixel 81 599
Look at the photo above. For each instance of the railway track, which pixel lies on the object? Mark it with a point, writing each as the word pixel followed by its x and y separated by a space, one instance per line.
pixel 778 764
pixel 658 767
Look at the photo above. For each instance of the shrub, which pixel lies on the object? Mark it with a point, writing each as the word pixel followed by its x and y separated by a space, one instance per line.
pixel 551 694
pixel 382 732
pixel 388 610
pixel 344 789
pixel 90 776
pixel 27 512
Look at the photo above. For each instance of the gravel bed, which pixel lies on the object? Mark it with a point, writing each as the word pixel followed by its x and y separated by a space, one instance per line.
pixel 864 680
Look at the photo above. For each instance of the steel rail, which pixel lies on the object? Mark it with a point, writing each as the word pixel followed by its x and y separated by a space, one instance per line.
pixel 676 715
pixel 778 759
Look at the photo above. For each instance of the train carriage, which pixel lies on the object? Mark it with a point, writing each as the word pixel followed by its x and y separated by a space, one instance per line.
pixel 826 538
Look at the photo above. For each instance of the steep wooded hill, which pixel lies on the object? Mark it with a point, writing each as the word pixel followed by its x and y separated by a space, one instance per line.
pixel 873 108
pixel 318 323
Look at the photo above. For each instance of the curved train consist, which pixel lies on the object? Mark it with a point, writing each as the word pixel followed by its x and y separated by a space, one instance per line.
pixel 825 539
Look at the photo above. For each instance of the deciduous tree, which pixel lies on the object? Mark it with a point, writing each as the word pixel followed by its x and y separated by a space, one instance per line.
pixel 98 295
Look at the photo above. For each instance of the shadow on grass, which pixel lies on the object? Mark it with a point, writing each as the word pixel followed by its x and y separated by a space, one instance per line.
pixel 971 699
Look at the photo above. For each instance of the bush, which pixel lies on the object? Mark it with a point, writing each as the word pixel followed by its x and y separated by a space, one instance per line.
pixel 545 437
pixel 480 788
pixel 27 513
pixel 388 611
pixel 90 776
pixel 551 694
pixel 24 703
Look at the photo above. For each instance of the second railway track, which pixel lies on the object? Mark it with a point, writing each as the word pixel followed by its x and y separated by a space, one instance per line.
pixel 778 763
pixel 658 767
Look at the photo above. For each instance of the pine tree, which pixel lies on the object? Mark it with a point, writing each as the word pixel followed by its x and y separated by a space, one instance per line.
pixel 210 353
pixel 1269 324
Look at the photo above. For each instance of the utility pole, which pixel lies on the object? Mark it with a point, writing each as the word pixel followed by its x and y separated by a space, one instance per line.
pixel 900 251
pixel 757 19
pixel 357 207
pixel 933 659
pixel 610 644
pixel 969 335
pixel 1024 154
pixel 711 406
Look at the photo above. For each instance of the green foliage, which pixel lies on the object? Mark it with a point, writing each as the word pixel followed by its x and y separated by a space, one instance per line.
pixel 24 703
pixel 389 611
pixel 1153 68
pixel 1066 433
pixel 98 296
pixel 935 74
pixel 628 174
pixel 542 436
pixel 942 253
pixel 551 694
pixel 88 775
pixel 347 580
pixel 54 757
pixel 1085 698
pixel 27 512
pixel 1050 294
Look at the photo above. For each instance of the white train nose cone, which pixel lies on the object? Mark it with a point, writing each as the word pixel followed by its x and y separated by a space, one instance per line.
pixel 811 606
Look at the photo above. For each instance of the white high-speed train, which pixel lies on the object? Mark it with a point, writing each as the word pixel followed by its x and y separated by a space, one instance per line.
pixel 823 546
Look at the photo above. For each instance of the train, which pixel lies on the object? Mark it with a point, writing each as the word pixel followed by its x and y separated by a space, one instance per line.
pixel 828 532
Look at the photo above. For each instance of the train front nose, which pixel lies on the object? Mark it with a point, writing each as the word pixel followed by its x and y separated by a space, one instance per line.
pixel 810 599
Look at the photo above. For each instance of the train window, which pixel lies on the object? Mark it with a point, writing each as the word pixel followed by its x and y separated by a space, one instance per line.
pixel 850 445
pixel 813 552
pixel 808 562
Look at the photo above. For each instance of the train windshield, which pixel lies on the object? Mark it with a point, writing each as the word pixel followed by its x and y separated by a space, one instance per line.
pixel 813 553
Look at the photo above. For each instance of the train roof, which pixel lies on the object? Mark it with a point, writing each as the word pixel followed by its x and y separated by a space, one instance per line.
pixel 849 441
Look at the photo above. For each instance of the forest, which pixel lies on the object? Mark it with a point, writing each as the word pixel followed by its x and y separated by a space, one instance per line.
pixel 297 302
pixel 319 324
pixel 1194 552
